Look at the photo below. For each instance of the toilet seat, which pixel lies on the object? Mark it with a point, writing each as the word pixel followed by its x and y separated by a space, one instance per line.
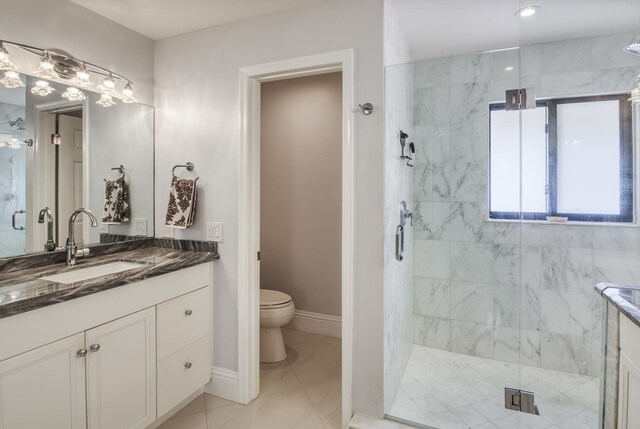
pixel 273 299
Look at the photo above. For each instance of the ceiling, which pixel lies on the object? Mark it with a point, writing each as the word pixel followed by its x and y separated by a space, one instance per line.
pixel 158 19
pixel 436 28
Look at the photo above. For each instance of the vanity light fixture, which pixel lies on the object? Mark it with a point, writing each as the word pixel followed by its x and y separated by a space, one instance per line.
pixel 57 65
pixel 47 68
pixel 82 77
pixel 5 59
pixel 527 11
pixel 73 94
pixel 127 94
pixel 106 100
pixel 108 86
pixel 11 79
pixel 42 88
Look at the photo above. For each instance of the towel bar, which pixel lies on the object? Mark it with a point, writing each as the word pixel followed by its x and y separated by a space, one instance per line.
pixel 189 166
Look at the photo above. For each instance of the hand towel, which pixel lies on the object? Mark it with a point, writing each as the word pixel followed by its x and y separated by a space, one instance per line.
pixel 116 202
pixel 182 203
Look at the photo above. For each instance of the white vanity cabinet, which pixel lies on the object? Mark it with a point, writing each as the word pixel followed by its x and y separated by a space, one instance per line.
pixel 629 385
pixel 105 361
pixel 121 372
pixel 44 388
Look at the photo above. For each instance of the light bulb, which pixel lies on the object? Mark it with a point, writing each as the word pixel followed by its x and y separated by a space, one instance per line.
pixel 73 94
pixel 106 100
pixel 5 59
pixel 127 94
pixel 11 79
pixel 108 86
pixel 47 68
pixel 42 88
pixel 82 77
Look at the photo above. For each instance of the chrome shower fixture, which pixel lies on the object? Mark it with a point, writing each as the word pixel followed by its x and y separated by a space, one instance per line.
pixel 633 47
pixel 412 148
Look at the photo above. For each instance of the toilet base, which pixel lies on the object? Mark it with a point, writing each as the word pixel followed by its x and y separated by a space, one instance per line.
pixel 272 345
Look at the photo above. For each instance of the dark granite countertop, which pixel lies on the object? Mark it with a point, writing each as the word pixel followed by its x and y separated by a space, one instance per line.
pixel 23 290
pixel 625 298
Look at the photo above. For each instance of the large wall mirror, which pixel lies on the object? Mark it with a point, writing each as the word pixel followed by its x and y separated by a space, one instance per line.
pixel 57 155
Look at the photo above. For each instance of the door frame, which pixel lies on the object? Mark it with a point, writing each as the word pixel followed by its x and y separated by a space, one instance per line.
pixel 249 215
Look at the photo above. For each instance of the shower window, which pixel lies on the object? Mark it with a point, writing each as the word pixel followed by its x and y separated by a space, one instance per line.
pixel 576 160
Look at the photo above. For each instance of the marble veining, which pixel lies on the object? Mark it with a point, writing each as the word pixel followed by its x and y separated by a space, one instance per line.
pixel 625 298
pixel 24 290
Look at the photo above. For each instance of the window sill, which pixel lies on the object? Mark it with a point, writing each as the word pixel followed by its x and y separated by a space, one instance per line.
pixel 568 223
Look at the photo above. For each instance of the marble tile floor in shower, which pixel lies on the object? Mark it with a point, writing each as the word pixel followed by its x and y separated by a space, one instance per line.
pixel 448 390
pixel 302 392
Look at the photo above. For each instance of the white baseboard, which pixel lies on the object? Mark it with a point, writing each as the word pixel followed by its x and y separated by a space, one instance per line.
pixel 223 384
pixel 316 323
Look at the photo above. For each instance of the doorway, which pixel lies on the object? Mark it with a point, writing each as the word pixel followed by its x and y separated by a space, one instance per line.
pixel 249 223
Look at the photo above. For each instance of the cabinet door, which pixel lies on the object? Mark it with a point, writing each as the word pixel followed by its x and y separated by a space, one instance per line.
pixel 44 388
pixel 629 412
pixel 121 372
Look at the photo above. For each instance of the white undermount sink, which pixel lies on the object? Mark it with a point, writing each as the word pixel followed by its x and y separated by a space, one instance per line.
pixel 81 274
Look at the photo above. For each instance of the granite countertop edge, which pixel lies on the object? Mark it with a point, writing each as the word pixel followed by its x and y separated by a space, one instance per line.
pixel 157 261
pixel 614 294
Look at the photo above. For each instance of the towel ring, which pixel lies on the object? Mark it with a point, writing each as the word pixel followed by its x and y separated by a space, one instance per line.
pixel 189 166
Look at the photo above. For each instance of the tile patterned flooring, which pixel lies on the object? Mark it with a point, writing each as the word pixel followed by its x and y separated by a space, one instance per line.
pixel 448 390
pixel 303 392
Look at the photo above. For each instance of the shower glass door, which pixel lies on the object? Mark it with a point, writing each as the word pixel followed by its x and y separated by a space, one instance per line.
pixel 524 194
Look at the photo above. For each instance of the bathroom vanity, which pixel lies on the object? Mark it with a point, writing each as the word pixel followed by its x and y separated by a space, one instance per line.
pixel 120 349
pixel 627 300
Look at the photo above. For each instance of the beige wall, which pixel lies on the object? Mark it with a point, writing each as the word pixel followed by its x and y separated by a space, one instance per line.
pixel 300 179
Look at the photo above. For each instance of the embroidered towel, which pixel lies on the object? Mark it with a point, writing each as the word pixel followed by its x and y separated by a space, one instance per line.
pixel 182 203
pixel 116 202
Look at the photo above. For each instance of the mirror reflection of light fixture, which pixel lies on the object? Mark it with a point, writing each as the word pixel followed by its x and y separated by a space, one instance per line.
pixel 46 70
pixel 11 79
pixel 108 86
pixel 73 94
pixel 82 77
pixel 105 100
pixel 633 47
pixel 5 59
pixel 42 88
pixel 127 94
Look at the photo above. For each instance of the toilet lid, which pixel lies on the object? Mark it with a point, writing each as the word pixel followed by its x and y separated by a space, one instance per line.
pixel 269 298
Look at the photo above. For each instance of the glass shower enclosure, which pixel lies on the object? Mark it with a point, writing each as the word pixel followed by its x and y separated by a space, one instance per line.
pixel 524 194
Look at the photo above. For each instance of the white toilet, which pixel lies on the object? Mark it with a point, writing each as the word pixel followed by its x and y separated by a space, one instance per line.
pixel 276 310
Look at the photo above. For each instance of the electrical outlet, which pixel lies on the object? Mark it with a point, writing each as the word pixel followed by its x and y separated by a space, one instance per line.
pixel 141 227
pixel 103 228
pixel 214 231
pixel 168 232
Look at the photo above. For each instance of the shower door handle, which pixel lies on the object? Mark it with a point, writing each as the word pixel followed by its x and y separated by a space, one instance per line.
pixel 13 220
pixel 399 243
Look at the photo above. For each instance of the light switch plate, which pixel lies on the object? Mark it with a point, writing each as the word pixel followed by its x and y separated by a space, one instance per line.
pixel 215 232
pixel 168 232
pixel 141 226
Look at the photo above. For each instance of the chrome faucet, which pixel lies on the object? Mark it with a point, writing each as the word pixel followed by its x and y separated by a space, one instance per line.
pixel 72 248
pixel 50 245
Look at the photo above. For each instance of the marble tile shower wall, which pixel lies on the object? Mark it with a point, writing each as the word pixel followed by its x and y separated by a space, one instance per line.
pixel 12 185
pixel 520 293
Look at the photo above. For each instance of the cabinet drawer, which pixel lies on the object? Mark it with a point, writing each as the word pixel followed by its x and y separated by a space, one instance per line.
pixel 183 320
pixel 182 373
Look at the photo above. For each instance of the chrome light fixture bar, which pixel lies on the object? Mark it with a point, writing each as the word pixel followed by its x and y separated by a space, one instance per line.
pixel 59 65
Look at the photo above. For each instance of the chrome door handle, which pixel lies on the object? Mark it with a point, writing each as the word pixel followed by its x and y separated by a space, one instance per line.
pixel 399 243
pixel 13 220
pixel 82 352
pixel 95 347
pixel 188 312
pixel 187 365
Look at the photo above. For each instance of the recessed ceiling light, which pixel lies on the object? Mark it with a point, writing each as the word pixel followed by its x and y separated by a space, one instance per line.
pixel 508 68
pixel 527 11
